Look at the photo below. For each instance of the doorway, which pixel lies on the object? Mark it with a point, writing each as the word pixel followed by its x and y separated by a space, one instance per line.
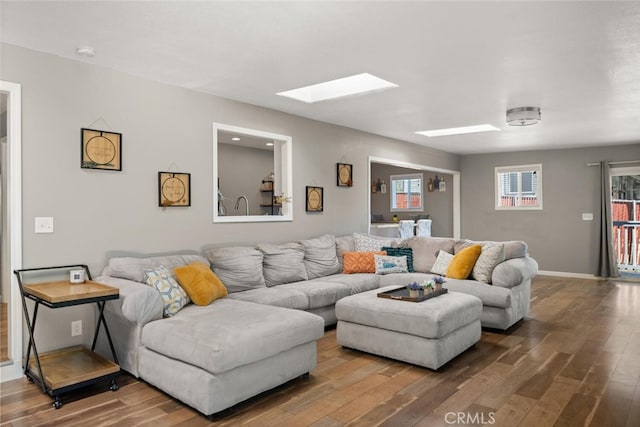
pixel 625 217
pixel 11 229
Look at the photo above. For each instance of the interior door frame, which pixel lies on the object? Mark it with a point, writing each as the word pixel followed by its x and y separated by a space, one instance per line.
pixel 13 369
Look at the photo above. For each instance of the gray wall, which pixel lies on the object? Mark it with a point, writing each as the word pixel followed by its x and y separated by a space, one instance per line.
pixel 162 125
pixel 439 205
pixel 558 238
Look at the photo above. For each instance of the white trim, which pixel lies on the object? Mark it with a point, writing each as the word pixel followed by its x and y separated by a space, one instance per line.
pixel 402 164
pixel 565 274
pixel 287 179
pixel 14 198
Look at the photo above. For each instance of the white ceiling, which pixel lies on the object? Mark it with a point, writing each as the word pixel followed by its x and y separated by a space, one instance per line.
pixel 456 63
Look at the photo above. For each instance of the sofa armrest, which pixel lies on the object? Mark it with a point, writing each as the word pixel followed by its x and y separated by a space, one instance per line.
pixel 514 271
pixel 138 303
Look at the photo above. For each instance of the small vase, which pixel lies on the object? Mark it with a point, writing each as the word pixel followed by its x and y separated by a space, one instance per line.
pixel 280 211
pixel 415 294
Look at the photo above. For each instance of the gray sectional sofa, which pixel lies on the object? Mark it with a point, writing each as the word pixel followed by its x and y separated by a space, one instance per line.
pixel 281 297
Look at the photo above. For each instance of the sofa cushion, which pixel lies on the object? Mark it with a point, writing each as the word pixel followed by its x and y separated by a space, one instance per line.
pixel 425 251
pixel 492 254
pixel 320 257
pixel 277 295
pixel 390 264
pixel 408 252
pixel 320 292
pixel 200 283
pixel 442 263
pixel 359 262
pixel 283 263
pixel 493 296
pixel 173 295
pixel 462 263
pixel 355 282
pixel 132 268
pixel 368 243
pixel 238 267
pixel 229 333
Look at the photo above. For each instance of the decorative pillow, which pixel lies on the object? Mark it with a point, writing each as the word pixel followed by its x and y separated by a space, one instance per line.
pixel 408 252
pixel 283 263
pixel 390 264
pixel 320 257
pixel 360 262
pixel 442 263
pixel 425 251
pixel 173 296
pixel 462 263
pixel 239 267
pixel 200 283
pixel 344 244
pixel 366 243
pixel 492 254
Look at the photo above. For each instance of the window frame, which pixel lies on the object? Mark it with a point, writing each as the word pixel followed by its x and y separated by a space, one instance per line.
pixel 518 169
pixel 407 177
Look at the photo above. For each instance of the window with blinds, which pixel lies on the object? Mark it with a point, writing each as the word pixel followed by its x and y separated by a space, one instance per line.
pixel 519 187
pixel 406 192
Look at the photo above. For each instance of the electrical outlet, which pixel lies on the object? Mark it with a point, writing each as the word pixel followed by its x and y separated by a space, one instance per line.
pixel 44 224
pixel 76 328
pixel 587 216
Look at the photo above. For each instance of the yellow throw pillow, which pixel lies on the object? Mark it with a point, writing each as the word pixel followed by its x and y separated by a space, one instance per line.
pixel 200 283
pixel 462 263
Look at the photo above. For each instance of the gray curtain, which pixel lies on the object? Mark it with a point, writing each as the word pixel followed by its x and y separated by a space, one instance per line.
pixel 607 262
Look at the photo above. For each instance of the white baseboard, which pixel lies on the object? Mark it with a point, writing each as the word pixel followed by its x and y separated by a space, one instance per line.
pixel 565 274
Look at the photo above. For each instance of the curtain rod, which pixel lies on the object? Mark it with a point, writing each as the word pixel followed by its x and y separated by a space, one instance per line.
pixel 623 162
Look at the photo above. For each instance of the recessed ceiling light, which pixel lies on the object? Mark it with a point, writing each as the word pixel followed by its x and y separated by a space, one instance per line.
pixel 269 144
pixel 458 131
pixel 235 138
pixel 86 51
pixel 339 88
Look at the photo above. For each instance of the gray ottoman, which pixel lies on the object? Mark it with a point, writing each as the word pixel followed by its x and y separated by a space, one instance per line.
pixel 427 333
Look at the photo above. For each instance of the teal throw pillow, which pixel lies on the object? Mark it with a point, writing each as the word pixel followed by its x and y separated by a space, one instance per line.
pixel 408 252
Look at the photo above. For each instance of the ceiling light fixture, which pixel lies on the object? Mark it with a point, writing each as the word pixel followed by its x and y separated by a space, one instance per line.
pixel 86 51
pixel 523 116
pixel 458 131
pixel 269 144
pixel 339 88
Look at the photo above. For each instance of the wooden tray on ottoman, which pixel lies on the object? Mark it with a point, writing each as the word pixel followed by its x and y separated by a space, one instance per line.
pixel 402 294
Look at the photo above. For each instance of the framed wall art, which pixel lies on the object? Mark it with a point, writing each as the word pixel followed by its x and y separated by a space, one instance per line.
pixel 345 175
pixel 101 149
pixel 314 199
pixel 174 189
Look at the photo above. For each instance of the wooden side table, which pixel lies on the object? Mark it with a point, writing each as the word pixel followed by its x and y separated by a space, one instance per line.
pixel 67 369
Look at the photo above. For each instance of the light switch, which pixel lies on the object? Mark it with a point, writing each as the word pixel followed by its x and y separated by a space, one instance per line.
pixel 44 224
pixel 587 217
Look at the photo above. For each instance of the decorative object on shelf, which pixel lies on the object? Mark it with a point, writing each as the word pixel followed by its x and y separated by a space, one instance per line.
pixel 100 149
pixel 442 186
pixel 430 186
pixel 383 187
pixel 523 116
pixel 374 188
pixel 314 199
pixel 281 201
pixel 174 189
pixel 436 183
pixel 76 276
pixel 395 218
pixel 345 175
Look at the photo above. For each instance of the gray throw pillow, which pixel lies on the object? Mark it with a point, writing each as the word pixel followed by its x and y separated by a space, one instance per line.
pixel 320 257
pixel 425 251
pixel 238 267
pixel 283 263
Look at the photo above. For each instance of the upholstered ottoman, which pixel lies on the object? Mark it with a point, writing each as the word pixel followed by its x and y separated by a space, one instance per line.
pixel 427 333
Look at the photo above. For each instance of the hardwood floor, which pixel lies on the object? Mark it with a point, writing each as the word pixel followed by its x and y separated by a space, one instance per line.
pixel 574 361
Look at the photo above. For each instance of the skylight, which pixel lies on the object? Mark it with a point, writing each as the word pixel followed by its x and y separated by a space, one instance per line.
pixel 458 131
pixel 339 88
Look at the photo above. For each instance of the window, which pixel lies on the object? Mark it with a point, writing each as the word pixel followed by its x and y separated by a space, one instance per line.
pixel 406 192
pixel 519 187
